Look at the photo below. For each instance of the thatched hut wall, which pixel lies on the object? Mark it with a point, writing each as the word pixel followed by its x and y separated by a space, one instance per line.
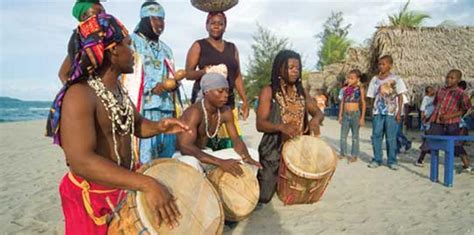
pixel 324 79
pixel 356 58
pixel 423 56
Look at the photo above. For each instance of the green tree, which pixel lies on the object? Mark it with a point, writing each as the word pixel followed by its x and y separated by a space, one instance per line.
pixel 265 47
pixel 334 41
pixel 334 25
pixel 333 50
pixel 406 18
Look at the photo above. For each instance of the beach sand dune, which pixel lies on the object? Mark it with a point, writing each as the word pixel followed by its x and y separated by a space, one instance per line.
pixel 358 200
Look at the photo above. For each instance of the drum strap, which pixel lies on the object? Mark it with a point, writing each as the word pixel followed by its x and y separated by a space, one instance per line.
pixel 85 186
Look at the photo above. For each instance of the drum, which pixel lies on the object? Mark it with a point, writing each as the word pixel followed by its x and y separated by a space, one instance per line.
pixel 197 201
pixel 308 164
pixel 239 195
pixel 214 5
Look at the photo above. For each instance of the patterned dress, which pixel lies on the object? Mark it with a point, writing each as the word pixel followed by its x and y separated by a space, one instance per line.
pixel 153 69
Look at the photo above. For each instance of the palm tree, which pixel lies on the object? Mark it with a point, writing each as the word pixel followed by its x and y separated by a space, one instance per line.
pixel 334 49
pixel 406 18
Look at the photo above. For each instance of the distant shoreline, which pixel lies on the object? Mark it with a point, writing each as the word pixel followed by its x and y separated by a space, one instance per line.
pixel 14 110
pixel 28 120
pixel 2 122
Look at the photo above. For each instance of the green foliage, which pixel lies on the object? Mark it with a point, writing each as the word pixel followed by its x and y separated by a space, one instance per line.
pixel 265 47
pixel 334 41
pixel 333 25
pixel 406 18
pixel 333 50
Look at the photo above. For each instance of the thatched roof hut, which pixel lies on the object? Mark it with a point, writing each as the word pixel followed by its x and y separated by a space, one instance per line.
pixel 356 58
pixel 422 56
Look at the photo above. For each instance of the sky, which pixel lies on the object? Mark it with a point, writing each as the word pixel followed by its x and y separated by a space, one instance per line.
pixel 34 33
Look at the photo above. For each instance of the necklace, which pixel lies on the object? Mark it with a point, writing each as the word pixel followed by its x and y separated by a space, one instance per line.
pixel 207 121
pixel 116 111
pixel 292 106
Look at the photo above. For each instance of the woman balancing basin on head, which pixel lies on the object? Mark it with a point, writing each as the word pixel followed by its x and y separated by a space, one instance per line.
pixel 214 54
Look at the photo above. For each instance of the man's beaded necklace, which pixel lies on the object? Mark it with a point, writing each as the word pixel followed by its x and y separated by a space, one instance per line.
pixel 116 112
pixel 207 121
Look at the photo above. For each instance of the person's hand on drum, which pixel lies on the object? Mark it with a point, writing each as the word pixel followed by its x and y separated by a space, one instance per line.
pixel 289 130
pixel 162 204
pixel 249 160
pixel 314 126
pixel 231 166
pixel 171 126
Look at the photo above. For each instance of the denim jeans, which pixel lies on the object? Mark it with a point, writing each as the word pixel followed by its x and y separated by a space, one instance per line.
pixel 388 126
pixel 350 121
pixel 402 140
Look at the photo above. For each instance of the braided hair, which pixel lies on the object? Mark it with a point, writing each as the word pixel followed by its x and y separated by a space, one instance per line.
pixel 281 62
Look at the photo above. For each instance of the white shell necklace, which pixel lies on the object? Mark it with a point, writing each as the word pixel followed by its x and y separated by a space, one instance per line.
pixel 116 111
pixel 207 121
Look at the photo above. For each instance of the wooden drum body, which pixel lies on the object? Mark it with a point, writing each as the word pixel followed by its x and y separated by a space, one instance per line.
pixel 307 165
pixel 239 195
pixel 197 201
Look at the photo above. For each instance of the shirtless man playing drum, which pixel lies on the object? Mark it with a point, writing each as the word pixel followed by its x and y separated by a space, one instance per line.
pixel 204 119
pixel 93 122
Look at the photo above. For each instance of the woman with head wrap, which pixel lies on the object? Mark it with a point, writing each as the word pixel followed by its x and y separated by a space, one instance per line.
pixel 153 64
pixel 214 54
pixel 93 120
pixel 82 10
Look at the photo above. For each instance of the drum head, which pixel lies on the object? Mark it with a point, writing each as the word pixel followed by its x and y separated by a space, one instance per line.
pixel 214 5
pixel 239 194
pixel 309 156
pixel 197 200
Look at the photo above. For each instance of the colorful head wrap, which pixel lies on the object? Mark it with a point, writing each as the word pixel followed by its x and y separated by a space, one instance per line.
pixel 153 9
pixel 81 7
pixel 215 13
pixel 95 36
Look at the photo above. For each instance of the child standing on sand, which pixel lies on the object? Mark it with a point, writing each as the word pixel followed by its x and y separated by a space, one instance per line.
pixel 451 103
pixel 387 89
pixel 352 113
pixel 427 108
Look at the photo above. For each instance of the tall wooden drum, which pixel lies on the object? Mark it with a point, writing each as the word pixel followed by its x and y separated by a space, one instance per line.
pixel 307 165
pixel 239 195
pixel 197 201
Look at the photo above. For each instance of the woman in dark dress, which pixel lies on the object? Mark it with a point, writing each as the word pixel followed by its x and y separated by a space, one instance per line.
pixel 214 54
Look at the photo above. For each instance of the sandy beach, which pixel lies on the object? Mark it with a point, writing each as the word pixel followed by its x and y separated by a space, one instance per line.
pixel 358 200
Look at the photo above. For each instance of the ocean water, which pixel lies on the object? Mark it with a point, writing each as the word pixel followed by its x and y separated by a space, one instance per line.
pixel 13 110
